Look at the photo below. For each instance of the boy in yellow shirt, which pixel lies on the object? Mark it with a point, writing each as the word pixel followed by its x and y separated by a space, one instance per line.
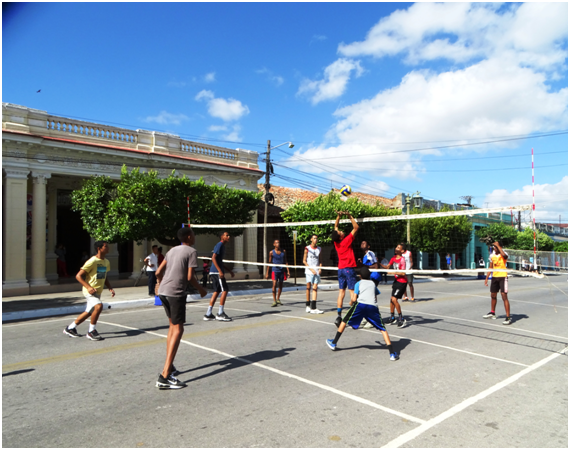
pixel 95 270
pixel 498 282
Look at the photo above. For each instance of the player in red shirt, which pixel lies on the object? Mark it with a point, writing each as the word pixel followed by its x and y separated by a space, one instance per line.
pixel 346 261
pixel 398 262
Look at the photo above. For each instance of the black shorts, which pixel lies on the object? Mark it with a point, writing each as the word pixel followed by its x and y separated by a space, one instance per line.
pixel 499 284
pixel 175 308
pixel 398 289
pixel 220 284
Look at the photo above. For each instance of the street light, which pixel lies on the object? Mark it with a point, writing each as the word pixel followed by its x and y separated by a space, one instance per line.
pixel 268 196
pixel 417 204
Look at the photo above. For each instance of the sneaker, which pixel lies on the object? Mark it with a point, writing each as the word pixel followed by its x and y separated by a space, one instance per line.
pixel 175 371
pixel 316 311
pixel 72 332
pixel 392 321
pixel 279 302
pixel 308 309
pixel 368 325
pixel 405 299
pixel 394 356
pixel 412 299
pixel 274 304
pixel 330 344
pixel 508 321
pixel 94 336
pixel 223 317
pixel 401 323
pixel 338 321
pixel 169 383
pixel 209 317
pixel 490 315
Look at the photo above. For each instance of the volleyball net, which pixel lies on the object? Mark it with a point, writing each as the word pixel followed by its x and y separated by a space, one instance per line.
pixel 441 243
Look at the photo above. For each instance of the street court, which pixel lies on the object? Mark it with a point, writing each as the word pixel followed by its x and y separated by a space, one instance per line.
pixel 267 379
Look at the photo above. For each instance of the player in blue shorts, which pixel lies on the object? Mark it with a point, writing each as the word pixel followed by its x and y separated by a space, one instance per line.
pixel 277 256
pixel 363 305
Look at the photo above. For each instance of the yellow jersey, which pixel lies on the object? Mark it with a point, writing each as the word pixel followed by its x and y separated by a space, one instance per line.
pixel 499 263
pixel 96 273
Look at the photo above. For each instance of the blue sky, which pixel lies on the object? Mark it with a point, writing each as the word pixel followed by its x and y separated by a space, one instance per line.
pixel 368 92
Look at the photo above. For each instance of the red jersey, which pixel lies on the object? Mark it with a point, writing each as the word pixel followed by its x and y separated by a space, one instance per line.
pixel 399 263
pixel 345 252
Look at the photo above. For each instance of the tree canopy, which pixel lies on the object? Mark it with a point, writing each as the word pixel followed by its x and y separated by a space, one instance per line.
pixel 380 235
pixel 525 241
pixel 143 206
pixel 498 232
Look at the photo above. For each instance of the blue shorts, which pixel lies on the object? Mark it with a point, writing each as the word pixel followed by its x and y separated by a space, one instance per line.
pixel 360 311
pixel 279 277
pixel 347 278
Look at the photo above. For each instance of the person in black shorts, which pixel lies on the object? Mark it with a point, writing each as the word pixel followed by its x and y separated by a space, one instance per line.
pixel 398 262
pixel 218 279
pixel 174 273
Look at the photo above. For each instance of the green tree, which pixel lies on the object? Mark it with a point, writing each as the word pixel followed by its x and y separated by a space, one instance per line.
pixel 504 234
pixel 380 235
pixel 143 206
pixel 561 247
pixel 525 241
pixel 440 235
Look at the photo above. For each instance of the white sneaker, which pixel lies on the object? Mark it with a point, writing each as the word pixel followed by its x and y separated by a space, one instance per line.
pixel 308 309
pixel 316 311
pixel 368 325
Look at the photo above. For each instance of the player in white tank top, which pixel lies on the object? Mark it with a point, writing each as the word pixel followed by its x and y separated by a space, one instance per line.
pixel 409 264
pixel 312 259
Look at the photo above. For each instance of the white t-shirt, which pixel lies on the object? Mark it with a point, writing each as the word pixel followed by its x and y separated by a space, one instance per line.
pixel 407 254
pixel 312 258
pixel 153 259
pixel 367 292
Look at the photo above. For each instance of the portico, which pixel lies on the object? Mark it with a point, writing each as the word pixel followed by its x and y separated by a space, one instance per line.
pixel 46 157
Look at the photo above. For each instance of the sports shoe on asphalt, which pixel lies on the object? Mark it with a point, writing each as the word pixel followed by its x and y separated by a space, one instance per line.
pixel 330 344
pixel 279 302
pixel 368 325
pixel 72 332
pixel 175 371
pixel 508 321
pixel 401 323
pixel 394 356
pixel 209 317
pixel 308 309
pixel 490 315
pixel 392 321
pixel 316 311
pixel 223 317
pixel 274 304
pixel 169 383
pixel 94 336
pixel 405 299
pixel 338 321
pixel 412 299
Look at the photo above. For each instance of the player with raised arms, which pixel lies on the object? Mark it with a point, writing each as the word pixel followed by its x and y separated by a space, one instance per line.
pixel 364 305
pixel 346 261
pixel 498 282
pixel 312 259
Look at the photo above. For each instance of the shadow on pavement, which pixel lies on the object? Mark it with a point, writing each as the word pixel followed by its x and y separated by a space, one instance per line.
pixel 17 372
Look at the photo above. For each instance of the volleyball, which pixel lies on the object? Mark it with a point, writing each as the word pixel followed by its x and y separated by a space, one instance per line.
pixel 346 190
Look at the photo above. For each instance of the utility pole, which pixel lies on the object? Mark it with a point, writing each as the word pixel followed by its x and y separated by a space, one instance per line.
pixel 266 198
pixel 520 228
pixel 408 200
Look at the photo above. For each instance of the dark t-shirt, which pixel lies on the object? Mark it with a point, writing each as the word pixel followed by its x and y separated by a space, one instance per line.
pixel 219 251
pixel 175 279
pixel 345 252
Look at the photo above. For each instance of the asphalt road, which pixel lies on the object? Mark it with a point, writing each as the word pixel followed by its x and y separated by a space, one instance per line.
pixel 267 379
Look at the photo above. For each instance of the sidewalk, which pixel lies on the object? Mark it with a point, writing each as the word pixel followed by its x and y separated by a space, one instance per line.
pixel 64 303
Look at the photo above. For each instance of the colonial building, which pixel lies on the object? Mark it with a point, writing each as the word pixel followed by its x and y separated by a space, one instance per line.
pixel 46 157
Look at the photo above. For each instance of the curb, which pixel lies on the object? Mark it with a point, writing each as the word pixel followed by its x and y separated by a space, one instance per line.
pixel 128 304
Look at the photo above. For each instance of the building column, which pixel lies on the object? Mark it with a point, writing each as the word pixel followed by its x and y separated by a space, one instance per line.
pixel 38 257
pixel 251 249
pixel 113 257
pixel 16 185
pixel 238 254
pixel 51 257
pixel 139 253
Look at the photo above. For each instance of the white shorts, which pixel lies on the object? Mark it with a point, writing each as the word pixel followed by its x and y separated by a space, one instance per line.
pixel 92 300
pixel 312 278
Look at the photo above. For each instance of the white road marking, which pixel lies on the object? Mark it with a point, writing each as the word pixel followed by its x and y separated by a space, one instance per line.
pixel 487 296
pixel 286 374
pixel 412 434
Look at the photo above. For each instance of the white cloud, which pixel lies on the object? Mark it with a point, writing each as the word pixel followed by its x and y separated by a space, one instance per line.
pixel 234 135
pixel 278 80
pixel 210 77
pixel 551 200
pixel 504 91
pixel 166 118
pixel 318 37
pixel 178 84
pixel 333 84
pixel 221 108
pixel 217 128
pixel 533 34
